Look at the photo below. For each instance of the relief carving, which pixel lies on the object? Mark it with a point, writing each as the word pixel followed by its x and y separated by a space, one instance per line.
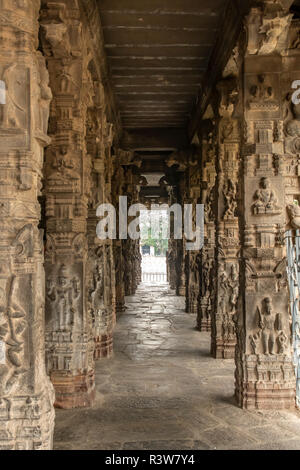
pixel 270 338
pixel 63 297
pixel 265 199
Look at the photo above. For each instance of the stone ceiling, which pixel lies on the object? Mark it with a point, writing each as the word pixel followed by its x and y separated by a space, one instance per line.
pixel 158 52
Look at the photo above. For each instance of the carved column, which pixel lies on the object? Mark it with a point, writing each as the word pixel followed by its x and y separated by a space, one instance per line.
pixel 227 229
pixel 26 394
pixel 107 320
pixel 207 269
pixel 193 175
pixel 131 248
pixel 118 190
pixel 67 185
pixel 264 373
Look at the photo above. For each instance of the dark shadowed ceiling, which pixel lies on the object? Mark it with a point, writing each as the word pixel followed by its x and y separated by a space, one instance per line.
pixel 158 51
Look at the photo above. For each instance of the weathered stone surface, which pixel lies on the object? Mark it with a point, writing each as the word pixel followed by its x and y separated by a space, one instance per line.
pixel 185 399
pixel 265 374
pixel 122 108
pixel 26 394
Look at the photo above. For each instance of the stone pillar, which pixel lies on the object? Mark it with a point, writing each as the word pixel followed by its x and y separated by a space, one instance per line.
pixel 208 190
pixel 26 394
pixel 118 190
pixel 107 320
pixel 193 175
pixel 69 338
pixel 131 248
pixel 99 277
pixel 227 229
pixel 172 255
pixel 180 269
pixel 264 369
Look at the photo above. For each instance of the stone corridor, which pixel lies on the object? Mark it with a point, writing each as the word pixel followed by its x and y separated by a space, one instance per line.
pixel 162 390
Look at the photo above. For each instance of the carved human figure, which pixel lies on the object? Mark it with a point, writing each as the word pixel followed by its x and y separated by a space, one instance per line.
pixel 10 111
pixel 12 326
pixel 63 165
pixel 205 278
pixel 254 341
pixel 261 91
pixel 63 298
pixel 267 324
pixel 65 79
pixel 208 208
pixel 223 290
pixel 45 95
pixel 234 285
pixel 230 198
pixel 265 199
pixel 282 342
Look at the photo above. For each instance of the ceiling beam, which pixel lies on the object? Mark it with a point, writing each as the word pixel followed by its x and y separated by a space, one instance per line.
pixel 154 139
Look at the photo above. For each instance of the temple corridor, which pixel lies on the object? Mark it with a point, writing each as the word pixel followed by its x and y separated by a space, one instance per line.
pixel 163 390
pixel 111 109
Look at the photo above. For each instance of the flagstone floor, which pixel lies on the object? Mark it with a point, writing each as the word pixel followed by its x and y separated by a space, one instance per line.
pixel 163 391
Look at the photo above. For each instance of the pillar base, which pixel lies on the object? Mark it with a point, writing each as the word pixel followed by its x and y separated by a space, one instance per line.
pixel 223 349
pixel 27 422
pixel 270 384
pixel 121 308
pixel 192 308
pixel 103 346
pixel 203 324
pixel 181 291
pixel 73 391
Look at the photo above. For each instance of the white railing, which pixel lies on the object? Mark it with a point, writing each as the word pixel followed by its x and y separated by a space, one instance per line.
pixel 154 277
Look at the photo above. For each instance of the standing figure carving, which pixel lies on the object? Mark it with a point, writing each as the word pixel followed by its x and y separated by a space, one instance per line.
pixel 63 299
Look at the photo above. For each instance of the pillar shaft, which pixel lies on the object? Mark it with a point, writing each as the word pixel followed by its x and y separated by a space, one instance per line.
pixel 264 373
pixel 26 394
pixel 208 190
pixel 227 224
pixel 69 336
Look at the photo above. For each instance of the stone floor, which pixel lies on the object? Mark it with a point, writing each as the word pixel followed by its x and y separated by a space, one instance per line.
pixel 163 391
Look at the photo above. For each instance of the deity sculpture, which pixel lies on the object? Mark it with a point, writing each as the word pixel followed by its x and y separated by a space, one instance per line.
pixel 269 322
pixel 12 110
pixel 262 91
pixel 63 298
pixel 234 285
pixel 230 192
pixel 265 199
pixel 223 290
pixel 45 95
pixel 205 278
pixel 208 208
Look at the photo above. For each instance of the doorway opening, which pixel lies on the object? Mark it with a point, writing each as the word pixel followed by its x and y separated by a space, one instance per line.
pixel 154 228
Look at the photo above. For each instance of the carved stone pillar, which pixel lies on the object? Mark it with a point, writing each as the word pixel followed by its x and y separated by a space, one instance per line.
pixel 193 175
pixel 106 322
pixel 207 269
pixel 227 230
pixel 264 370
pixel 172 255
pixel 69 336
pixel 26 394
pixel 131 248
pixel 180 251
pixel 117 191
